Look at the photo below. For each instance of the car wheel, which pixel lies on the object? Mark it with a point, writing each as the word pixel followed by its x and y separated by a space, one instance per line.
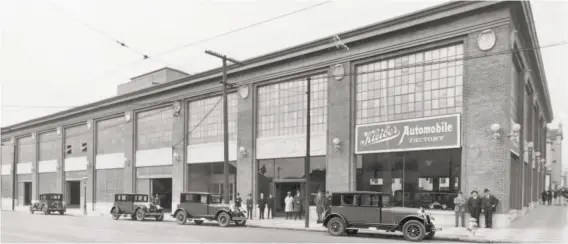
pixel 115 214
pixel 61 212
pixel 198 222
pixel 181 217
pixel 336 226
pixel 241 222
pixel 160 217
pixel 140 215
pixel 223 219
pixel 414 230
pixel 44 210
pixel 430 235
pixel 352 232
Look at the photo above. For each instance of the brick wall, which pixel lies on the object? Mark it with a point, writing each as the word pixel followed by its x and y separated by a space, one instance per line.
pixel 486 89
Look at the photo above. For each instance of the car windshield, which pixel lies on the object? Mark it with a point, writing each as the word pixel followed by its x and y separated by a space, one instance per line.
pixel 216 198
pixel 51 197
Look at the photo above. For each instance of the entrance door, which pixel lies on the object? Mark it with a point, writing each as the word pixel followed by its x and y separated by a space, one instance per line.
pixel 281 190
pixel 27 193
pixel 74 193
pixel 162 187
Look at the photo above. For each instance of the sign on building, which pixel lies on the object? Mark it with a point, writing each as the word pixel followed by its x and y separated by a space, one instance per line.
pixel 429 133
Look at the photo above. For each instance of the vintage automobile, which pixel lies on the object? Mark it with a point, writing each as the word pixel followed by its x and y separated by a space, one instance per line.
pixel 201 206
pixel 49 202
pixel 137 206
pixel 351 211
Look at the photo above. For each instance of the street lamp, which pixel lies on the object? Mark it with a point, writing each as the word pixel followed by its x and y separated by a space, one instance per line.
pixel 85 195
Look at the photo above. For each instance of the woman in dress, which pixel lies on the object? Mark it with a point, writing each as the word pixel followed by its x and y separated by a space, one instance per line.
pixel 289 205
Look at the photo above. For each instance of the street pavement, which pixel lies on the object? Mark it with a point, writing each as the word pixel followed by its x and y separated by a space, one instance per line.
pixel 20 227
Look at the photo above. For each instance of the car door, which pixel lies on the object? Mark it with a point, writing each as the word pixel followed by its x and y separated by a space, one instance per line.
pixel 387 213
pixel 128 201
pixel 361 210
pixel 195 207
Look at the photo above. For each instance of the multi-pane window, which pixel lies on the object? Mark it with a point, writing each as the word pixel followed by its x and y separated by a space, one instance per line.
pixel 74 137
pixel 49 146
pixel 110 135
pixel 282 107
pixel 26 147
pixel 154 128
pixel 411 86
pixel 206 119
pixel 6 154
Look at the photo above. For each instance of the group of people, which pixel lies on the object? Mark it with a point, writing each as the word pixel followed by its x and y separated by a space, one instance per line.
pixel 476 205
pixel 262 204
pixel 558 196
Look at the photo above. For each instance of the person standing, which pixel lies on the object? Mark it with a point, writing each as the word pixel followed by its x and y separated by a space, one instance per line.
pixel 549 197
pixel 459 203
pixel 270 205
pixel 261 204
pixel 249 206
pixel 474 206
pixel 238 201
pixel 327 202
pixel 488 206
pixel 298 205
pixel 289 205
pixel 318 201
pixel 543 196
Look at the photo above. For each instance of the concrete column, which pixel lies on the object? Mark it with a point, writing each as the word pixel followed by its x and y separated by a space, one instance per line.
pixel 246 138
pixel 61 162
pixel 9 150
pixel 35 175
pixel 341 167
pixel 179 172
pixel 130 153
pixel 91 152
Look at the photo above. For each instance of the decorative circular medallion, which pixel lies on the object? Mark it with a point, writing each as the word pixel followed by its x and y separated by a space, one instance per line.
pixel 177 106
pixel 89 124
pixel 244 91
pixel 58 130
pixel 486 40
pixel 127 116
pixel 338 71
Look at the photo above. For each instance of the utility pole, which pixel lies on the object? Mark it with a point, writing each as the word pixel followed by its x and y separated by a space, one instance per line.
pixel 226 86
pixel 307 163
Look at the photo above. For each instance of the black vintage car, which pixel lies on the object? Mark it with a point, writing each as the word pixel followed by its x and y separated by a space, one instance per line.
pixel 137 206
pixel 49 202
pixel 201 206
pixel 351 211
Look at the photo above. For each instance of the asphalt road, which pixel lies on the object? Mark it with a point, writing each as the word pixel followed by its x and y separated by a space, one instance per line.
pixel 19 227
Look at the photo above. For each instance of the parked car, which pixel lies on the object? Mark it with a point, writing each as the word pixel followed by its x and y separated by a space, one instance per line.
pixel 201 206
pixel 49 202
pixel 351 211
pixel 137 206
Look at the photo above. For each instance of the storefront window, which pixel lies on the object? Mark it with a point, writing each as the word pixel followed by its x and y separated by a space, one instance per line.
pixel 209 177
pixel 278 176
pixel 429 179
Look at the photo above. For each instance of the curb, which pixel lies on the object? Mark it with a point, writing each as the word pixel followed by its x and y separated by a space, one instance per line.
pixel 468 240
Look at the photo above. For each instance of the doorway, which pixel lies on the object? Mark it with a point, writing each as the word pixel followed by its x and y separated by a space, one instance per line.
pixel 73 192
pixel 162 187
pixel 281 190
pixel 27 193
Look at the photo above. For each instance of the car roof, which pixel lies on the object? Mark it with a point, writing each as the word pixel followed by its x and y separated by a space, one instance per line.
pixel 359 192
pixel 45 194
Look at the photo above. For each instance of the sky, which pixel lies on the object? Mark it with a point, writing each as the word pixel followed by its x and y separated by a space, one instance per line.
pixel 56 54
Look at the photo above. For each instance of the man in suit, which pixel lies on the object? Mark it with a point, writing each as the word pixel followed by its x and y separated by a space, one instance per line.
pixel 261 203
pixel 238 201
pixel 474 206
pixel 488 206
pixel 459 203
pixel 249 206
pixel 327 201
pixel 318 201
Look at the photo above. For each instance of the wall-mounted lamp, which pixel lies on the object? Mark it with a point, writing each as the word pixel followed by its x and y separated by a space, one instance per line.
pixel 89 165
pixel 177 108
pixel 496 129
pixel 126 162
pixel 176 156
pixel 127 116
pixel 33 136
pixel 243 151
pixel 58 166
pixel 89 124
pixel 336 143
pixel 543 160
pixel 530 146
pixel 537 154
pixel 59 130
pixel 33 168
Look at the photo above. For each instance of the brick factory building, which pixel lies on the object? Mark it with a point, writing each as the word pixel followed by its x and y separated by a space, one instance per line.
pixel 422 106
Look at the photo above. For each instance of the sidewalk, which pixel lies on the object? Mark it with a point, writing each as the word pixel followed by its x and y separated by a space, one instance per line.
pixel 542 224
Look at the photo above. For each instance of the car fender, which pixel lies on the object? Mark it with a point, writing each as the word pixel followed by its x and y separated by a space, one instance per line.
pixel 406 219
pixel 114 207
pixel 333 215
pixel 180 210
pixel 222 211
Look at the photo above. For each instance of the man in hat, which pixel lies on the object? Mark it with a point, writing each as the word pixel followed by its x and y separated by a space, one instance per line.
pixel 459 203
pixel 474 206
pixel 488 206
pixel 249 206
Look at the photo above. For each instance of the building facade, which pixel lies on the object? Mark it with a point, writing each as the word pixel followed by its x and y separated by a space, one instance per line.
pixel 421 106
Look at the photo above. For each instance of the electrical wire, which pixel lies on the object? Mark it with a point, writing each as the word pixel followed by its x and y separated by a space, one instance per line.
pixel 198 124
pixel 356 73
